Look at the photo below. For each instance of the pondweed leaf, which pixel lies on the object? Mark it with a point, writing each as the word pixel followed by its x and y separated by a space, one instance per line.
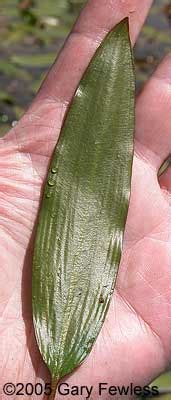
pixel 84 209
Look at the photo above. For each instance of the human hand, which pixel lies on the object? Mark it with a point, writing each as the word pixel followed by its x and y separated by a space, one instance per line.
pixel 135 342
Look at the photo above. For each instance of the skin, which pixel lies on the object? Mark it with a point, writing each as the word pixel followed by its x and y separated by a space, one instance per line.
pixel 135 342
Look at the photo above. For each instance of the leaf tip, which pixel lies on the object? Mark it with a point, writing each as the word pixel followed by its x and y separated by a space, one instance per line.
pixel 124 23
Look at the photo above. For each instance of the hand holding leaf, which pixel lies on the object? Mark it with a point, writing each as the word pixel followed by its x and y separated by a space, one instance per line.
pixel 137 331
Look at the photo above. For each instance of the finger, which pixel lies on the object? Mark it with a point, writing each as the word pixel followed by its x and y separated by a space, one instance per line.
pixel 153 127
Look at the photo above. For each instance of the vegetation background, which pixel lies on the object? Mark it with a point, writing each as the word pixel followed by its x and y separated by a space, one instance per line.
pixel 33 31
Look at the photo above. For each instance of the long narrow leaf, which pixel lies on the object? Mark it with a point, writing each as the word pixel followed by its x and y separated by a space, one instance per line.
pixel 84 209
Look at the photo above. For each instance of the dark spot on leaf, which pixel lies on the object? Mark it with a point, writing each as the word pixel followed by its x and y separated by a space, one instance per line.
pixel 101 299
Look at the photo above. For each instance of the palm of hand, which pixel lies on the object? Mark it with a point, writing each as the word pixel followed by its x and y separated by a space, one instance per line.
pixel 139 320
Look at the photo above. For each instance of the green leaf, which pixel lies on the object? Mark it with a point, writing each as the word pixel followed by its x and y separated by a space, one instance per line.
pixel 36 60
pixel 165 165
pixel 7 68
pixel 84 209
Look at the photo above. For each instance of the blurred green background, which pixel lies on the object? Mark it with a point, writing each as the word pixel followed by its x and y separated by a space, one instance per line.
pixel 33 31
